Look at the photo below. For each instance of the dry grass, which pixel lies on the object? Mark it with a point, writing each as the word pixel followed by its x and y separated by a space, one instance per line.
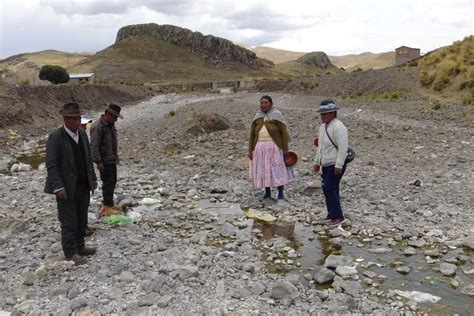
pixel 450 70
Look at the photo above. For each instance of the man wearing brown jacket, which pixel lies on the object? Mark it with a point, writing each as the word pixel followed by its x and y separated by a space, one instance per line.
pixel 104 151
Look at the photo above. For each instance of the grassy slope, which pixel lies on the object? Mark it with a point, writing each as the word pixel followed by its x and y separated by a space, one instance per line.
pixel 147 59
pixel 449 71
pixel 27 66
pixel 364 61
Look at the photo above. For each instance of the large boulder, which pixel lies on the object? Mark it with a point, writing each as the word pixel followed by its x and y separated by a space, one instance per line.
pixel 319 59
pixel 208 123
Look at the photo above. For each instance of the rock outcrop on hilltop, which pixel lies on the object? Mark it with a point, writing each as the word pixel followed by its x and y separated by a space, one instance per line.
pixel 214 49
pixel 319 59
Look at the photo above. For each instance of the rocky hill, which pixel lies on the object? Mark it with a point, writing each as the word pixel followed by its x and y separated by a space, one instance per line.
pixel 311 64
pixel 214 49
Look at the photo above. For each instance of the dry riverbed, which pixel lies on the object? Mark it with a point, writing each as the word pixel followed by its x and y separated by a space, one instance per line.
pixel 197 248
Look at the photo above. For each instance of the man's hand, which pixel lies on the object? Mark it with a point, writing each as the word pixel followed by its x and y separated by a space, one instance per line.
pixel 250 155
pixel 100 166
pixel 316 168
pixel 61 194
pixel 337 171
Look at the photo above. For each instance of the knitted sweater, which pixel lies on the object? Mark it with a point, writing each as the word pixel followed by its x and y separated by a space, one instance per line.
pixel 277 130
pixel 327 154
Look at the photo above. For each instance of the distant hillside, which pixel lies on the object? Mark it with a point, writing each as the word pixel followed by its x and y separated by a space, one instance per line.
pixel 311 64
pixel 27 66
pixel 348 62
pixel 364 61
pixel 275 55
pixel 450 70
pixel 142 58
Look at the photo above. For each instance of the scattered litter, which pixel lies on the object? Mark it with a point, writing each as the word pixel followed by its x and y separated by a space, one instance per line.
pixel 149 201
pixel 117 220
pixel 379 265
pixel 359 110
pixel 418 183
pixel 436 281
pixel 110 210
pixel 339 231
pixel 134 216
pixel 189 157
pixel 251 213
pixel 418 297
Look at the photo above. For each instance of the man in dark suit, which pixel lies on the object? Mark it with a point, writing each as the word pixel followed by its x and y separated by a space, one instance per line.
pixel 71 177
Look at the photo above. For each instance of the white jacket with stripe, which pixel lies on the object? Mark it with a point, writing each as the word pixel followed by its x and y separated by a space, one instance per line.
pixel 327 154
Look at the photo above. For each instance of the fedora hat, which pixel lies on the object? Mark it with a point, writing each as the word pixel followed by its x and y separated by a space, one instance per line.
pixel 290 158
pixel 327 106
pixel 71 109
pixel 114 109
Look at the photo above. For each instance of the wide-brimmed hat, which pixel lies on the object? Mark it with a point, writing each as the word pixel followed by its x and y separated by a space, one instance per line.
pixel 114 109
pixel 71 109
pixel 290 158
pixel 327 106
pixel 85 119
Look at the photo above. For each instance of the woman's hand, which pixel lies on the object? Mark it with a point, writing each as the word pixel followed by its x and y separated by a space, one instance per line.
pixel 250 155
pixel 337 171
pixel 316 168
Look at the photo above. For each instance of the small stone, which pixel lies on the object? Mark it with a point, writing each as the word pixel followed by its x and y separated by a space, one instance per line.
pixel 409 251
pixel 323 276
pixel 403 270
pixel 126 277
pixel 28 278
pixel 345 271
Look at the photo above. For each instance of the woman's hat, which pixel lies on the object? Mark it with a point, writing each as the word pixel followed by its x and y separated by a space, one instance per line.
pixel 71 109
pixel 290 158
pixel 327 106
pixel 114 109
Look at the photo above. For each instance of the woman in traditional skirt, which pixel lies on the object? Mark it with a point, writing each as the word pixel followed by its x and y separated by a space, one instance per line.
pixel 267 144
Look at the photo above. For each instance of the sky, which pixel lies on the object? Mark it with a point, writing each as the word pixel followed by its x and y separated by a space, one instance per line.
pixel 337 27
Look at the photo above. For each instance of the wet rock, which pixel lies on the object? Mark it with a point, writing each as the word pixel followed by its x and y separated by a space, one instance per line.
pixel 20 167
pixel 333 261
pixel 409 251
pixel 468 290
pixel 346 271
pixel 417 243
pixel 285 292
pixel 468 242
pixel 433 253
pixel 403 270
pixel 323 276
pixel 447 269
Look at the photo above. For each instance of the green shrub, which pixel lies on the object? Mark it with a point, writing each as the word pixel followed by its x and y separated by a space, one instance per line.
pixel 172 113
pixel 54 74
pixel 437 106
pixel 25 82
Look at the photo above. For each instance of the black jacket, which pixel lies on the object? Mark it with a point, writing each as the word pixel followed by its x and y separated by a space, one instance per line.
pixel 60 162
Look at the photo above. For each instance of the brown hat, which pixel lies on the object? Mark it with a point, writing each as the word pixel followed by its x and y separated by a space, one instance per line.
pixel 114 109
pixel 70 110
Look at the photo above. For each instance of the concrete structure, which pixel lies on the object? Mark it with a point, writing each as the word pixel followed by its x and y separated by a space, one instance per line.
pixel 404 54
pixel 81 78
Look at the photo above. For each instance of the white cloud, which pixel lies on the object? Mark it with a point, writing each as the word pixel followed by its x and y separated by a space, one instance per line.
pixel 336 27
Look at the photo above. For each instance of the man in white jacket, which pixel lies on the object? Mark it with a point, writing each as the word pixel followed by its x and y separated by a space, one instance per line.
pixel 330 159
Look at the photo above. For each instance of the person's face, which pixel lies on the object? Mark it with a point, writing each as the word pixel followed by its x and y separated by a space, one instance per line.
pixel 265 105
pixel 327 117
pixel 72 123
pixel 110 118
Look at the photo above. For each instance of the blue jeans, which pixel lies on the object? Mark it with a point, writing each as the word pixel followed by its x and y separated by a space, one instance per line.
pixel 330 184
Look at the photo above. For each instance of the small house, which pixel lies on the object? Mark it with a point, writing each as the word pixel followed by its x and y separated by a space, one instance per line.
pixel 404 54
pixel 81 78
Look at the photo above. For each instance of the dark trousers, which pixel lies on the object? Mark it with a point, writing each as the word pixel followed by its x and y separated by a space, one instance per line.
pixel 330 184
pixel 109 179
pixel 72 214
